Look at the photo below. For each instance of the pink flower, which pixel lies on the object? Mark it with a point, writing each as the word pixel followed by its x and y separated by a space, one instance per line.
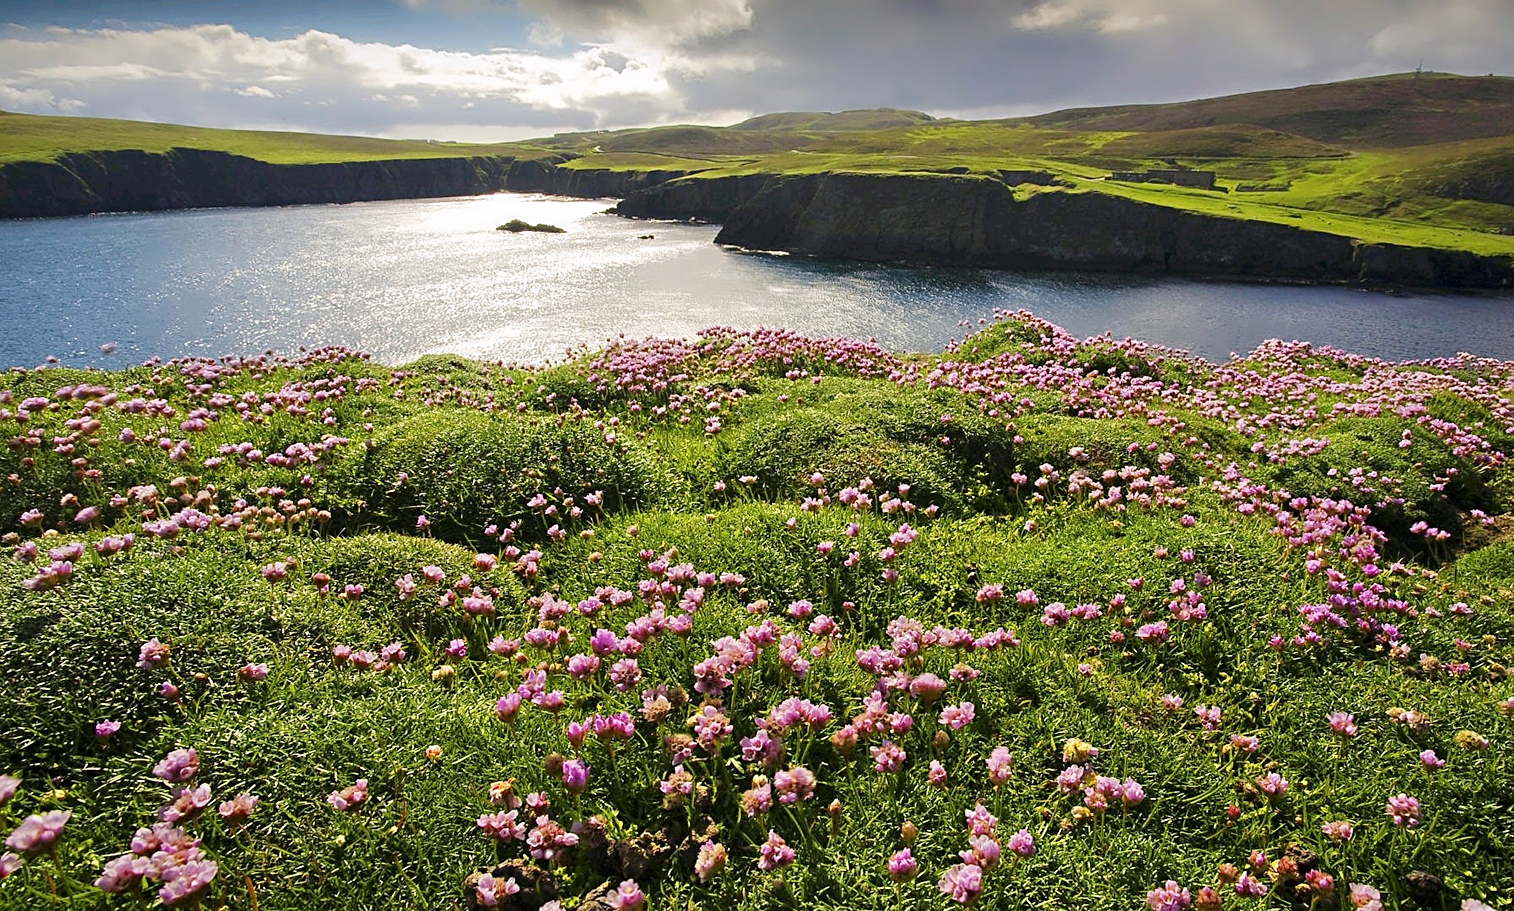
pixel 178 766
pixel 153 654
pixel 1022 844
pixel 710 861
pixel 1429 760
pixel 1342 723
pixel 794 785
pixel 1404 811
pixel 1000 764
pixel 237 809
pixel 1340 830
pixel 350 797
pixel 8 786
pixel 774 852
pixel 962 883
pixel 888 757
pixel 1365 898
pixel 627 896
pixel 37 833
pixel 575 775
pixel 958 716
pixel 1170 897
pixel 252 672
pixel 902 866
pixel 490 890
pixel 937 774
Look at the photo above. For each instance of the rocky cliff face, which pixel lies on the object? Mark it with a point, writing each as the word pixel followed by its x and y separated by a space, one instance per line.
pixel 134 181
pixel 981 222
pixel 709 199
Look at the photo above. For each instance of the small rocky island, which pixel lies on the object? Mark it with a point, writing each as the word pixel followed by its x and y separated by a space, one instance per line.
pixel 516 226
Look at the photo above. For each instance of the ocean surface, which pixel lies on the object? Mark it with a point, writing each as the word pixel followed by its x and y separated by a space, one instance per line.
pixel 401 279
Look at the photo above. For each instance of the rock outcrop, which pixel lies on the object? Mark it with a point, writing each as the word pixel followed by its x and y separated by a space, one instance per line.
pixel 981 222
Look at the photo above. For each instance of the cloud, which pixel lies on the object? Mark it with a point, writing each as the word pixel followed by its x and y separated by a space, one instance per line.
pixel 221 76
pixel 587 64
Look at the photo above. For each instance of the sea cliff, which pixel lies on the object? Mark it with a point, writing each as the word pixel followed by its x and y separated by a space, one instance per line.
pixel 979 221
pixel 135 181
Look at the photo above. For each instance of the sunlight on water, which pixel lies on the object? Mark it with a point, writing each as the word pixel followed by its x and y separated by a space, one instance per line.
pixel 405 278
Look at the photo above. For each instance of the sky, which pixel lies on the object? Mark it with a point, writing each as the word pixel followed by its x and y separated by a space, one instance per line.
pixel 482 70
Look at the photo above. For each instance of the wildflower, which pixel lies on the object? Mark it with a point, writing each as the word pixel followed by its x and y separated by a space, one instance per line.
pixel 252 672
pixel 937 774
pixel 1342 723
pixel 1429 760
pixel 184 882
pixel 178 766
pixel 1365 898
pixel 237 809
pixel 980 821
pixel 1209 717
pixel 983 850
pixel 9 863
pixel 1249 886
pixel 153 654
pixel 575 775
pixel 962 883
pixel 502 826
pixel 8 786
pixel 187 804
pixel 1170 897
pixel 490 889
pixel 927 688
pixel 1340 830
pixel 775 853
pixel 758 799
pixel 548 840
pixel 104 730
pixel 433 752
pixel 1207 899
pixel 1022 844
pixel 888 757
pixel 37 832
pixel 710 861
pixel 1000 764
pixel 1404 811
pixel 794 785
pixel 627 896
pixel 958 716
pixel 350 797
pixel 902 866
pixel 1272 785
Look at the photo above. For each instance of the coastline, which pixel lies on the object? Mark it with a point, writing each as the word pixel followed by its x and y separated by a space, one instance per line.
pixel 1011 222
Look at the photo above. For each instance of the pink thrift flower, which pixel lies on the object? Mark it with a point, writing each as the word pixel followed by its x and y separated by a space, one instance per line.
pixel 962 883
pixel 153 654
pixel 902 866
pixel 888 757
pixel 627 896
pixel 1022 844
pixel 1404 811
pixel 37 832
pixel 350 797
pixel 1000 765
pixel 1342 723
pixel 1170 897
pixel 774 853
pixel 178 766
pixel 958 716
pixel 710 861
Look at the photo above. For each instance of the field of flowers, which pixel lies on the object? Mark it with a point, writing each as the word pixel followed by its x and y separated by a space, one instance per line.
pixel 760 621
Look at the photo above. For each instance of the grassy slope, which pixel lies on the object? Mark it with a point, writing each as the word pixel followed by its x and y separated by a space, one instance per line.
pixel 1427 162
pixel 467 445
pixel 25 137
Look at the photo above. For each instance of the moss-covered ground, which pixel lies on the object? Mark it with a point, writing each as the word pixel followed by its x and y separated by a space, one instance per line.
pixel 749 616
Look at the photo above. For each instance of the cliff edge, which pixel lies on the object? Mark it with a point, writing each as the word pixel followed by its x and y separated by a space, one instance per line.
pixel 979 221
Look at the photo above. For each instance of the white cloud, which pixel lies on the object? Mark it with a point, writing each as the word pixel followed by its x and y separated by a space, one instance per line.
pixel 36 101
pixel 200 66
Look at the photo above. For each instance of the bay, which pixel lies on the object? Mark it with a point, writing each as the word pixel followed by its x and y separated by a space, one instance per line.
pixel 405 278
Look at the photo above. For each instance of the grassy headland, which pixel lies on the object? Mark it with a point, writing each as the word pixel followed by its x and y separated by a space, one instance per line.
pixel 704 604
pixel 1423 161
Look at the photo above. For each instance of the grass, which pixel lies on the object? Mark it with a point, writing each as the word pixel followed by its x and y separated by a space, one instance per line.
pixel 28 137
pixel 878 490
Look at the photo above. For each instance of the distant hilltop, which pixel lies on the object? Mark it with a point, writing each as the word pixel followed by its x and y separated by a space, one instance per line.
pixel 1406 178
